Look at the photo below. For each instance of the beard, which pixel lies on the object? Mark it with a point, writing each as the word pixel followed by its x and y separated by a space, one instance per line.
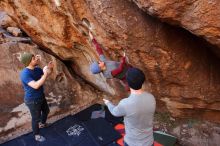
pixel 37 63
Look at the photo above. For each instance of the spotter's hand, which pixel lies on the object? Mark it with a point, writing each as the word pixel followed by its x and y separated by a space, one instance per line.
pixel 106 101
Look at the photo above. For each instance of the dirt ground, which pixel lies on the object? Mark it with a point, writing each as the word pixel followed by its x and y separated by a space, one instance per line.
pixel 189 132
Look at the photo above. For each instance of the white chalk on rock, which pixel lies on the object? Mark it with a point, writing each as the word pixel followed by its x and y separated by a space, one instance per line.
pixel 57 2
pixel 14 31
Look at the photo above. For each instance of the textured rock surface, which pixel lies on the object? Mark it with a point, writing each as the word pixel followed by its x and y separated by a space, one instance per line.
pixel 182 71
pixel 5 20
pixel 64 92
pixel 201 17
pixel 14 31
pixel 190 132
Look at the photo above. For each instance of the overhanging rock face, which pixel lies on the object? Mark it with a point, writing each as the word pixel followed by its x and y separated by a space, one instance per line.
pixel 201 17
pixel 182 72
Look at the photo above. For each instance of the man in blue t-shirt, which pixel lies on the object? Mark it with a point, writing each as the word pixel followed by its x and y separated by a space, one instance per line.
pixel 33 78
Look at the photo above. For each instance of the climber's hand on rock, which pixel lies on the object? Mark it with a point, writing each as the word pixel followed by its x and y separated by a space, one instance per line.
pixel 124 54
pixel 91 35
pixel 106 101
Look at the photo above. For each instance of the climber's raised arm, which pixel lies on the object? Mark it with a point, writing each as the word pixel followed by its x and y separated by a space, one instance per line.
pixel 98 47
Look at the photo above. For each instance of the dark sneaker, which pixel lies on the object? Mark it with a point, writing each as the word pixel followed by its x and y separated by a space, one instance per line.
pixel 43 125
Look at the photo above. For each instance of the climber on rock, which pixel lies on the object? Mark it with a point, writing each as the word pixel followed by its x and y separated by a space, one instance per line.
pixel 110 69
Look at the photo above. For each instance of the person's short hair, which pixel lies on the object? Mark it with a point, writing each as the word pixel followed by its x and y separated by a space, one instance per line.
pixel 135 78
pixel 94 68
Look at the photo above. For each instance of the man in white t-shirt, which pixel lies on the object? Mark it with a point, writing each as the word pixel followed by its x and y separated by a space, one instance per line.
pixel 138 111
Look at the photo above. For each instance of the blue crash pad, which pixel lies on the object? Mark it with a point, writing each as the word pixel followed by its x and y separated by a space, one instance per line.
pixel 76 130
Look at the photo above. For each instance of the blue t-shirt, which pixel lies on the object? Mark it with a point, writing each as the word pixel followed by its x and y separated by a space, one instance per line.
pixel 28 75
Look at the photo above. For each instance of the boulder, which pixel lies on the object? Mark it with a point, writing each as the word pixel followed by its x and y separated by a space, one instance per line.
pixel 182 71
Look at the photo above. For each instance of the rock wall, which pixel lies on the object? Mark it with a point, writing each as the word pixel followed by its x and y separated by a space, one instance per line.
pixel 201 17
pixel 182 71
